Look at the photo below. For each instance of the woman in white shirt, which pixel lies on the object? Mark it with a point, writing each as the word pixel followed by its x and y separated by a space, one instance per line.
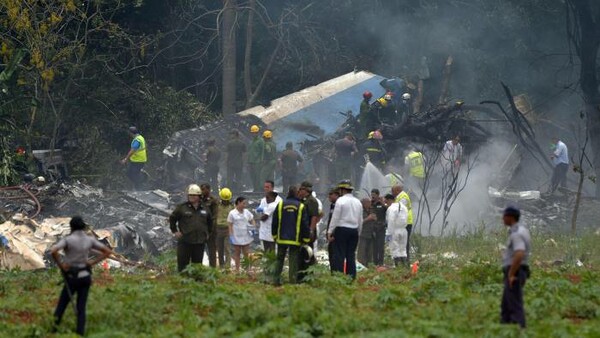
pixel 240 220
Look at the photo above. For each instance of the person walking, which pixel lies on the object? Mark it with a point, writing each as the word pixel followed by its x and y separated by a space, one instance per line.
pixel 366 239
pixel 379 208
pixel 136 158
pixel 76 268
pixel 396 218
pixel 255 157
pixel 191 223
pixel 213 157
pixel 289 161
pixel 223 243
pixel 346 224
pixel 210 203
pixel 560 160
pixel 291 230
pixel 515 267
pixel 403 198
pixel 236 149
pixel 240 220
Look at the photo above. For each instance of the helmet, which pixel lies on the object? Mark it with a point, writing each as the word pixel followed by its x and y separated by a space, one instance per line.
pixel 194 189
pixel 225 194
pixel 371 134
pixel 377 135
pixel 254 129
pixel 306 253
pixel 406 96
pixel 345 184
pixel 382 102
pixel 388 96
pixel 367 95
pixel 268 134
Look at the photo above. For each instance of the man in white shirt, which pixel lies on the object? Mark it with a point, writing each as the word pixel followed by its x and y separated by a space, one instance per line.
pixel 452 155
pixel 397 220
pixel 265 208
pixel 346 224
pixel 560 160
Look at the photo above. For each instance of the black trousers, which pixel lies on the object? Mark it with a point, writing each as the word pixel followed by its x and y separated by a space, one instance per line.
pixel 559 176
pixel 511 309
pixel 345 243
pixel 409 231
pixel 269 246
pixel 331 253
pixel 211 248
pixel 187 253
pixel 134 173
pixel 379 247
pixel 288 180
pixel 81 287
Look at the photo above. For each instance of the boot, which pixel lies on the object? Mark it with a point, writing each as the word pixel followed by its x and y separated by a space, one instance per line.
pixel 397 261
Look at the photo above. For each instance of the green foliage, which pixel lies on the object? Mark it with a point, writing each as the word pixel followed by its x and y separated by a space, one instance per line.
pixel 201 273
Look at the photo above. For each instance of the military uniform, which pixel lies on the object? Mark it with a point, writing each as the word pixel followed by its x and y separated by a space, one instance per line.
pixel 195 226
pixel 312 208
pixel 235 163
pixel 365 119
pixel 255 161
pixel 269 161
pixel 366 240
pixel 289 167
pixel 379 209
pixel 211 204
pixel 223 245
pixel 213 156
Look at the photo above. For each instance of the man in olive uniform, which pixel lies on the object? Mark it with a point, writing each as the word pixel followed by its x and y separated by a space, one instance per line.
pixel 235 161
pixel 366 238
pixel 379 209
pixel 210 203
pixel 334 194
pixel 345 150
pixel 365 119
pixel 269 157
pixel 289 161
pixel 255 158
pixel 213 156
pixel 223 244
pixel 312 206
pixel 515 265
pixel 191 224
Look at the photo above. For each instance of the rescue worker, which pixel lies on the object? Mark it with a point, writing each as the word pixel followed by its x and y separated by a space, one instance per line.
pixel 560 160
pixel 452 156
pixel 396 218
pixel 345 150
pixel 366 239
pixel 236 149
pixel 387 112
pixel 255 158
pixel 374 149
pixel 405 107
pixel 403 198
pixel 365 116
pixel 379 209
pixel 334 194
pixel 346 224
pixel 136 158
pixel 289 162
pixel 213 156
pixel 266 209
pixel 76 268
pixel 515 266
pixel 291 230
pixel 305 194
pixel 414 164
pixel 269 156
pixel 191 224
pixel 210 203
pixel 223 243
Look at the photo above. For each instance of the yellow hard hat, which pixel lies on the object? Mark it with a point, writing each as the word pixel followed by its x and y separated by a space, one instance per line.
pixel 225 194
pixel 383 102
pixel 268 134
pixel 254 129
pixel 371 134
pixel 194 189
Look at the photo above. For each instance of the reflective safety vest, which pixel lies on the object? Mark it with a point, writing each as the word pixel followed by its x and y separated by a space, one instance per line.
pixel 417 167
pixel 285 236
pixel 404 195
pixel 139 155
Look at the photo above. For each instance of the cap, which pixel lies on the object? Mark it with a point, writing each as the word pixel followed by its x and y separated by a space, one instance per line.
pixel 306 184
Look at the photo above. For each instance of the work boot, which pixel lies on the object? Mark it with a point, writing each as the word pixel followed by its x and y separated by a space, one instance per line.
pixel 396 261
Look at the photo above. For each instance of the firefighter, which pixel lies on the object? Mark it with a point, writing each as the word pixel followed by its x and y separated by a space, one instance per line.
pixel 213 156
pixel 236 149
pixel 375 150
pixel 387 111
pixel 290 229
pixel 414 164
pixel 364 116
pixel 136 158
pixel 223 245
pixel 269 157
pixel 289 161
pixel 210 203
pixel 255 158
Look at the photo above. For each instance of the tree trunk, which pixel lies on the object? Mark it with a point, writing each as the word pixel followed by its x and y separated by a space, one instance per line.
pixel 446 80
pixel 248 53
pixel 229 58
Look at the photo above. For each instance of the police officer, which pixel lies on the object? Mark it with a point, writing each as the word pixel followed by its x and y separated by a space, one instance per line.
pixel 255 158
pixel 290 229
pixel 191 223
pixel 379 209
pixel 136 158
pixel 515 268
pixel 211 203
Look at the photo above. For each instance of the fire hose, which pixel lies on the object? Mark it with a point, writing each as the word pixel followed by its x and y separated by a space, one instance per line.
pixel 29 195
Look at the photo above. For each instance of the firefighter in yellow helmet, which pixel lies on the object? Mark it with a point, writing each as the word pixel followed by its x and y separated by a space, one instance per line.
pixel 255 158
pixel 223 245
pixel 269 157
pixel 374 149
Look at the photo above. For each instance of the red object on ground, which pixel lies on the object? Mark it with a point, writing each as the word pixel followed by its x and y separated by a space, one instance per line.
pixel 415 267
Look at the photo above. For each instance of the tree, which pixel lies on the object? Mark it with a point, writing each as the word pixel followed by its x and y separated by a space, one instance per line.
pixel 228 38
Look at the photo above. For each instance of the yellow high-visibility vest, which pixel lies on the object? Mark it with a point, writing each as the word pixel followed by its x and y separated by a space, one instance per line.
pixel 404 195
pixel 417 165
pixel 139 156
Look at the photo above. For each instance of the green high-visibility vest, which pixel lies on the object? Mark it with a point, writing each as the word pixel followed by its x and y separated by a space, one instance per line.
pixel 139 156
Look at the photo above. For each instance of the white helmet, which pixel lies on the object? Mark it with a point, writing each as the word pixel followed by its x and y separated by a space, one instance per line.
pixel 406 96
pixel 194 189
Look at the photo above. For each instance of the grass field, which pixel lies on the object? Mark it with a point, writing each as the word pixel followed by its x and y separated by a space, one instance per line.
pixel 449 297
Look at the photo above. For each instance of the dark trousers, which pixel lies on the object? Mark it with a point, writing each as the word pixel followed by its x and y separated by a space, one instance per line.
pixel 255 176
pixel 512 311
pixel 134 173
pixel 559 176
pixel 331 253
pixel 223 247
pixel 305 265
pixel 294 261
pixel 345 243
pixel 288 180
pixel 81 287
pixel 211 248
pixel 269 246
pixel 234 177
pixel 379 246
pixel 212 175
pixel 366 246
pixel 187 253
pixel 408 232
